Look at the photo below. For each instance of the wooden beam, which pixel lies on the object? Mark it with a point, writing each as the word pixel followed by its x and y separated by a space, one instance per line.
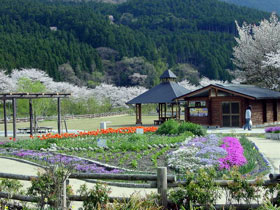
pixel 210 111
pixel 5 118
pixel 140 114
pixel 159 111
pixel 275 117
pixel 31 117
pixel 58 116
pixel 14 118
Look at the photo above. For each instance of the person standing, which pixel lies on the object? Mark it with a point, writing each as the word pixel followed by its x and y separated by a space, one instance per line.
pixel 248 116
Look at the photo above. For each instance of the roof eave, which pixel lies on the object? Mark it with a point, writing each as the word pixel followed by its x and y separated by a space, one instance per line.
pixel 217 87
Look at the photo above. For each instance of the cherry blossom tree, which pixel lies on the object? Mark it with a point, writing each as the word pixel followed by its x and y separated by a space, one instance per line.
pixel 257 52
pixel 6 83
pixel 272 60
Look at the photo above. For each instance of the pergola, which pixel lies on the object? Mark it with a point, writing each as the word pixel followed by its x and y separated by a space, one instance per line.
pixel 162 94
pixel 14 96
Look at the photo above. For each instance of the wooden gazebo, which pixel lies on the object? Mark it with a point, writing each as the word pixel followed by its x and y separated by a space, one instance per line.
pixel 14 96
pixel 162 94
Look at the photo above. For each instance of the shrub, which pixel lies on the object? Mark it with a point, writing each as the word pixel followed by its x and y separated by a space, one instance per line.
pixel 200 189
pixel 196 129
pixel 174 127
pixel 95 198
pixel 49 186
pixel 168 127
pixel 137 202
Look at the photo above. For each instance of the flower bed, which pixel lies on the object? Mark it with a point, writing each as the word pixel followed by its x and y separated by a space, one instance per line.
pixel 272 133
pixel 78 164
pixel 124 130
pixel 207 152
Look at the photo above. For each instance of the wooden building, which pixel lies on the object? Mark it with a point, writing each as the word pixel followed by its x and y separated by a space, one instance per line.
pixel 163 95
pixel 225 105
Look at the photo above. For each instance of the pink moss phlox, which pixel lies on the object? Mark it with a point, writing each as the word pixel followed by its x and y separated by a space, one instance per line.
pixel 235 155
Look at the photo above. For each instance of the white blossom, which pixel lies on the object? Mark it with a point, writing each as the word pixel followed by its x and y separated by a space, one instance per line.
pixel 6 83
pixel 272 60
pixel 258 46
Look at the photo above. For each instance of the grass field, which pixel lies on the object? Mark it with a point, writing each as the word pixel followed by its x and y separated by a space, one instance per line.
pixel 89 124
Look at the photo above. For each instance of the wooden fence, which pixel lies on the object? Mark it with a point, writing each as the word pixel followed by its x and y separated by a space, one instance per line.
pixel 67 117
pixel 161 181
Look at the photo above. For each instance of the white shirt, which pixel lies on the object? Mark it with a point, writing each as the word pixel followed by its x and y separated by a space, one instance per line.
pixel 248 114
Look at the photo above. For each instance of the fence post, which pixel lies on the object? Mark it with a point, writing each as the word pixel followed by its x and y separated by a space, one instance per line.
pixel 162 185
pixel 64 194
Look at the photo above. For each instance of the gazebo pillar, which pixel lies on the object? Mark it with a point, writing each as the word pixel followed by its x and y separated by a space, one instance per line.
pixel 165 110
pixel 14 102
pixel 5 118
pixel 31 117
pixel 177 110
pixel 138 114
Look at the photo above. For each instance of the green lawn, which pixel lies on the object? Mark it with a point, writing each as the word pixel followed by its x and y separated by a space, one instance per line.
pixel 88 124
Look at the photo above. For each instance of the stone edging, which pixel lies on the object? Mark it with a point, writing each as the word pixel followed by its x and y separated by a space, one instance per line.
pixel 264 159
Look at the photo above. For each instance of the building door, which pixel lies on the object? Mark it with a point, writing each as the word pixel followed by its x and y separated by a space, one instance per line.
pixel 231 114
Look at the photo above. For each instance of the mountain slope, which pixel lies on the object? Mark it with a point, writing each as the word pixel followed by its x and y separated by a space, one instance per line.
pixel 199 32
pixel 267 5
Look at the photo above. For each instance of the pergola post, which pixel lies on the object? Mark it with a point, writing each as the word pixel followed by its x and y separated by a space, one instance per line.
pixel 58 116
pixel 31 117
pixel 14 102
pixel 5 118
pixel 138 114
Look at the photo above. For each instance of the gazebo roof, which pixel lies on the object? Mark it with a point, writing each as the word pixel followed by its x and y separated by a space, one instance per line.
pixel 165 92
pixel 168 74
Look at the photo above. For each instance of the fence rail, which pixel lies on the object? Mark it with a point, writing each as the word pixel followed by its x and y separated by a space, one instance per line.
pixel 161 181
pixel 67 117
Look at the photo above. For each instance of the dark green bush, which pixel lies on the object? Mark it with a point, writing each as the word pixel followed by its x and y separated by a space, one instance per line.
pixel 196 129
pixel 174 127
pixel 169 127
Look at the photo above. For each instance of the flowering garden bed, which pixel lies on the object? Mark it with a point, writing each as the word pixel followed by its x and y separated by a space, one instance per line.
pixel 272 133
pixel 142 152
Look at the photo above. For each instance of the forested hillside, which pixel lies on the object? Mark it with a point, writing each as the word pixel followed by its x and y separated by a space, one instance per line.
pixel 267 5
pixel 77 42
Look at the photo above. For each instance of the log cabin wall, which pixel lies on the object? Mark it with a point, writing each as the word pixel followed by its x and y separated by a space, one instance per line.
pixel 214 105
pixel 223 105
pixel 216 109
pixel 269 111
pixel 257 112
pixel 278 110
pixel 196 119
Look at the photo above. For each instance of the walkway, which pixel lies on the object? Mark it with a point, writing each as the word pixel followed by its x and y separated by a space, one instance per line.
pixel 270 149
pixel 15 167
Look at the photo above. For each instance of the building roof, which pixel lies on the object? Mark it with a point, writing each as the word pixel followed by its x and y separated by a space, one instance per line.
pixel 163 93
pixel 247 91
pixel 168 74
